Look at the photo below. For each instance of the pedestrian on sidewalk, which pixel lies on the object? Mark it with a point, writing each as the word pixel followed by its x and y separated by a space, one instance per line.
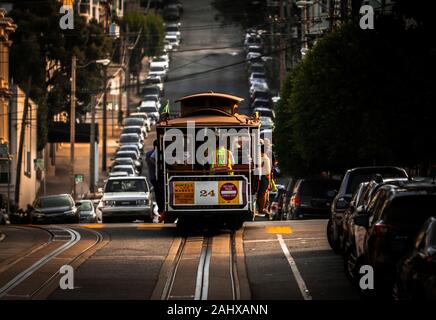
pixel 265 179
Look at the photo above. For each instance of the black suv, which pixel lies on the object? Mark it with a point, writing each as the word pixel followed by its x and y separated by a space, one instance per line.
pixel 312 198
pixel 351 181
pixel 393 218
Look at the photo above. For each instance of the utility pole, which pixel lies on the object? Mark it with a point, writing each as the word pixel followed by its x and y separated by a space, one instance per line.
pixel 127 78
pixel 21 145
pixel 282 54
pixel 104 121
pixel 73 124
pixel 92 148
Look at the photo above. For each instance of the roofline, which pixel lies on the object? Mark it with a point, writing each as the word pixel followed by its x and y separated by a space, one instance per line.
pixel 212 94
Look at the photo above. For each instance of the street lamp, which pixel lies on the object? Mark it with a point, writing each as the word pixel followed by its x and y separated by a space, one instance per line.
pixel 105 63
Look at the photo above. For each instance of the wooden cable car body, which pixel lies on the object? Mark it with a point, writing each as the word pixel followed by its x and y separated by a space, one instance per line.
pixel 191 188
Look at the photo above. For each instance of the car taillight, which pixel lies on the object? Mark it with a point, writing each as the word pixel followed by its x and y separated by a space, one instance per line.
pixel 295 201
pixel 382 229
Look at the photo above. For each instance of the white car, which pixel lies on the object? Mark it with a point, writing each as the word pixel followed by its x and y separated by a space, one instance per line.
pixel 257 77
pixel 259 87
pixel 253 56
pixel 173 29
pixel 173 40
pixel 131 171
pixel 159 71
pixel 160 62
pixel 265 112
pixel 150 108
pixel 152 98
pixel 155 80
pixel 131 138
pixel 144 116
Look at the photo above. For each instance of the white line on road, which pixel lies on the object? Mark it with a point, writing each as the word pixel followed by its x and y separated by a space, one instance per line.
pixel 300 281
pixel 75 237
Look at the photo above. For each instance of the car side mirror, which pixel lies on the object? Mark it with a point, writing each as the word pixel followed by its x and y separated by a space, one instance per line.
pixel 361 220
pixel 331 194
pixel 342 204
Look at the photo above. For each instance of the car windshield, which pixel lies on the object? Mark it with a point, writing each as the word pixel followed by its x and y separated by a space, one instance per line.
pixel 53 202
pixel 150 98
pixel 123 169
pixel 411 210
pixel 172 29
pixel 128 154
pixel 261 94
pixel 86 206
pixel 153 80
pixel 319 188
pixel 123 161
pixel 150 91
pixel 257 69
pixel 131 130
pixel 133 122
pixel 126 185
pixel 258 75
pixel 357 178
pixel 156 68
pixel 129 138
pixel 266 113
pixel 159 60
pixel 147 109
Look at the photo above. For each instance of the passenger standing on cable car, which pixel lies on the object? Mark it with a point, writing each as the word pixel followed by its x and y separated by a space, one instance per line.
pixel 222 161
pixel 265 179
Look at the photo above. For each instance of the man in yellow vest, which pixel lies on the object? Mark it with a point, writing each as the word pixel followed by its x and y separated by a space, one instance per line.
pixel 222 161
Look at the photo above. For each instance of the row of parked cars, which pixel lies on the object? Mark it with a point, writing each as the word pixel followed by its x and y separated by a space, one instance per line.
pixel 383 218
pixel 261 99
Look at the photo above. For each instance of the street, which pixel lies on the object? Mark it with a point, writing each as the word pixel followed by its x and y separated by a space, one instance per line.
pixel 289 260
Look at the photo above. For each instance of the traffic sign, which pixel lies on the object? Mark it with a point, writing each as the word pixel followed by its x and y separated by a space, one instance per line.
pixel 79 178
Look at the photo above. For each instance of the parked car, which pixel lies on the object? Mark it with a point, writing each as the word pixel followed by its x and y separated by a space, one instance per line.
pixel 135 122
pixel 151 90
pixel 266 123
pixel 261 103
pixel 131 171
pixel 265 112
pixel 131 139
pixel 171 13
pixel 257 77
pixel 393 219
pixel 259 86
pixel 351 181
pixel 160 61
pixel 54 209
pixel 141 131
pixel 256 67
pixel 260 94
pixel 126 198
pixel 87 212
pixel 173 29
pixel 352 235
pixel 127 154
pixel 151 109
pixel 142 116
pixel 252 39
pixel 158 71
pixel 131 147
pixel 416 272
pixel 126 161
pixel 152 98
pixel 312 198
pixel 276 203
pixel 155 80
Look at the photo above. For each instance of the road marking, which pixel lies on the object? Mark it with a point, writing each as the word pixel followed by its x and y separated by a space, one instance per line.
pixel 287 239
pixel 300 281
pixel 75 237
pixel 279 230
pixel 93 226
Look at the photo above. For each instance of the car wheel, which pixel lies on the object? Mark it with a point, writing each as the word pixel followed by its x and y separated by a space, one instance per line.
pixel 331 237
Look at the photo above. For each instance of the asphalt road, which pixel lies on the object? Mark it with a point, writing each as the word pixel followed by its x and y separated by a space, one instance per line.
pixel 264 260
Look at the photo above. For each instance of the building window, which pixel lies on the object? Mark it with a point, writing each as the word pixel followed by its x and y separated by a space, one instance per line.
pixel 4 171
pixel 28 167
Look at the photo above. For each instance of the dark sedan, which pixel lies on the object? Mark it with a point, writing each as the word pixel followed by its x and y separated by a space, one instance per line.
pixel 54 209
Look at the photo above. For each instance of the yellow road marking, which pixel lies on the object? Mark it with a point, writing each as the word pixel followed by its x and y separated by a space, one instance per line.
pixel 93 226
pixel 149 226
pixel 279 230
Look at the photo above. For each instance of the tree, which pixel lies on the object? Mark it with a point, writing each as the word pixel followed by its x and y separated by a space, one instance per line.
pixel 39 42
pixel 148 31
pixel 361 98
